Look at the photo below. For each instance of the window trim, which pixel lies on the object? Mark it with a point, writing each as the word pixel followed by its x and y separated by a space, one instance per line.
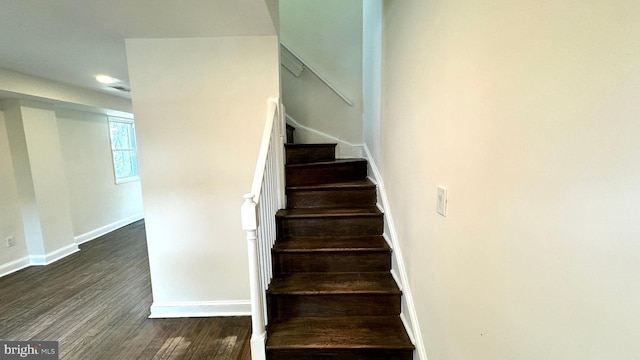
pixel 134 149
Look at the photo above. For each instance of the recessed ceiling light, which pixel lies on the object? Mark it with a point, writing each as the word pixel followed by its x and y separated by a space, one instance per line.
pixel 106 79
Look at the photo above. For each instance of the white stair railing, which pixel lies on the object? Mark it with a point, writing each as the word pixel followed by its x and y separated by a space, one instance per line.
pixel 258 220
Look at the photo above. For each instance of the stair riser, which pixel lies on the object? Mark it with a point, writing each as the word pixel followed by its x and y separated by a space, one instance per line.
pixel 340 354
pixel 330 226
pixel 329 173
pixel 286 306
pixel 299 199
pixel 342 261
pixel 308 154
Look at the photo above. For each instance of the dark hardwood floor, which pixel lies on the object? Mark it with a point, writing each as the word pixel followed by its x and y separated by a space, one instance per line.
pixel 95 303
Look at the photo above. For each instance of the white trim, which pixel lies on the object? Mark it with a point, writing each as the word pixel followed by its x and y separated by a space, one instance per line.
pixel 408 315
pixel 133 147
pixel 291 63
pixel 54 255
pixel 184 309
pixel 42 260
pixel 345 148
pixel 127 179
pixel 393 272
pixel 94 234
pixel 13 266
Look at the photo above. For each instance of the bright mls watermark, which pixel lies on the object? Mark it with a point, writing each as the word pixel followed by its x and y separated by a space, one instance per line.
pixel 32 350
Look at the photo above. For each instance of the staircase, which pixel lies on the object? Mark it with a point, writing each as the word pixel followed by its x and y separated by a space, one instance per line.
pixel 332 295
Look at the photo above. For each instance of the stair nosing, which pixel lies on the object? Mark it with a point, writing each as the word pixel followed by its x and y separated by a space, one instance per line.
pixel 338 347
pixel 364 184
pixel 380 279
pixel 332 293
pixel 331 162
pixel 279 250
pixel 350 211
pixel 311 145
pixel 311 244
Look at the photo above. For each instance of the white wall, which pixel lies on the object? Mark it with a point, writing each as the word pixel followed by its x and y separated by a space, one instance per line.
pixel 327 35
pixel 274 11
pixel 42 190
pixel 19 153
pixel 98 204
pixel 58 187
pixel 49 182
pixel 527 112
pixel 200 106
pixel 371 74
pixel 10 218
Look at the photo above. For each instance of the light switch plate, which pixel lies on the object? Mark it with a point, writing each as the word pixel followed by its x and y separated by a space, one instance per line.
pixel 441 204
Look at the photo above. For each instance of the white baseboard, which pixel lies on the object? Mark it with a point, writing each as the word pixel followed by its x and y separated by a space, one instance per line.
pixel 94 234
pixel 13 266
pixel 408 315
pixel 200 309
pixel 41 260
pixel 54 255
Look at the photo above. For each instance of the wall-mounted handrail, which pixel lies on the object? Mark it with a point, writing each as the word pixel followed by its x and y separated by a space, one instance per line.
pixel 325 81
pixel 258 220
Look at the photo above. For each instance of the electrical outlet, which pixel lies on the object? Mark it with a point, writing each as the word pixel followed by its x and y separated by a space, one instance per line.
pixel 11 241
pixel 441 204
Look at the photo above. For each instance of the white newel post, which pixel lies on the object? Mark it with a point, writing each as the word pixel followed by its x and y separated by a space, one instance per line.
pixel 249 213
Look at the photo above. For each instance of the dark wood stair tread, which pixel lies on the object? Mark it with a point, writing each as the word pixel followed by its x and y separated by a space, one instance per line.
pixel 328 212
pixel 340 194
pixel 331 254
pixel 310 146
pixel 346 185
pixel 343 221
pixel 333 243
pixel 347 332
pixel 318 172
pixel 334 283
pixel 327 163
pixel 305 153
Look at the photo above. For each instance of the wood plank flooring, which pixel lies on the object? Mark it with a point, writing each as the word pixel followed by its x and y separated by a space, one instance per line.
pixel 95 303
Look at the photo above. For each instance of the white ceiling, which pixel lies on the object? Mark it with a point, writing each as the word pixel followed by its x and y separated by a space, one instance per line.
pixel 71 41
